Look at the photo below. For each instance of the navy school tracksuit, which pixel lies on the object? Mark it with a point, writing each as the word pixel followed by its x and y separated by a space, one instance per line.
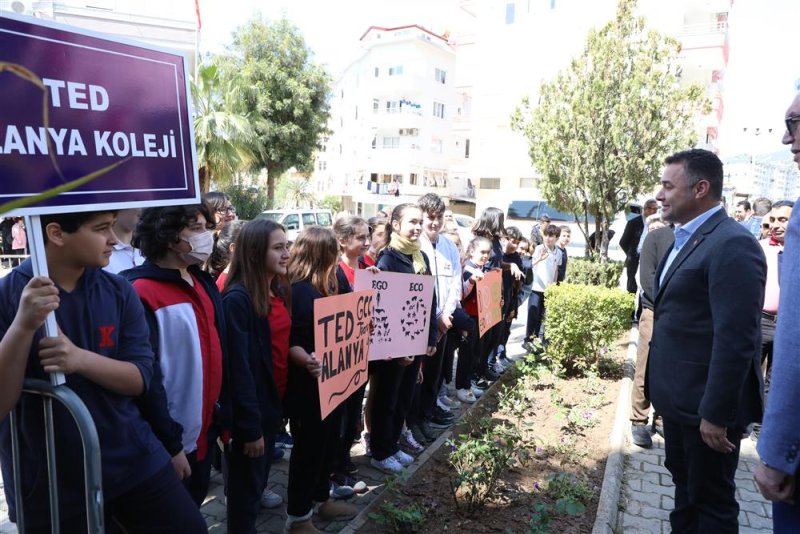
pixel 394 384
pixel 102 314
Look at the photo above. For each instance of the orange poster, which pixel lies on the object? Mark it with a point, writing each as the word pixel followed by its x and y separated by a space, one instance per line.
pixel 341 340
pixel 490 296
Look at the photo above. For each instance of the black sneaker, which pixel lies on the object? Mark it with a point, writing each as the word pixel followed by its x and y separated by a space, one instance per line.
pixel 641 436
pixel 481 383
pixel 429 432
pixel 441 421
pixel 490 374
pixel 418 435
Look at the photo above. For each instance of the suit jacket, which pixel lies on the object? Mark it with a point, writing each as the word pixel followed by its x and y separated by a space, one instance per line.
pixel 705 351
pixel 631 235
pixel 779 441
pixel 656 246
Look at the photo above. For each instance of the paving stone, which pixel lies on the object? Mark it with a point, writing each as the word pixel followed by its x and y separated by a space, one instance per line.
pixel 649 487
pixel 743 518
pixel 756 507
pixel 667 502
pixel 759 521
pixel 633 523
pixel 634 484
pixel 747 495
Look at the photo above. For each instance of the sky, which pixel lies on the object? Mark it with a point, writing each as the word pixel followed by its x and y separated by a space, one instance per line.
pixel 758 85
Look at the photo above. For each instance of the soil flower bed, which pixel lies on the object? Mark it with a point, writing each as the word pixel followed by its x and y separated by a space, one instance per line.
pixel 529 457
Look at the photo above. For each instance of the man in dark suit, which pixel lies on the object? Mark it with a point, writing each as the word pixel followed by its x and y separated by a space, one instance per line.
pixel 779 442
pixel 703 372
pixel 629 242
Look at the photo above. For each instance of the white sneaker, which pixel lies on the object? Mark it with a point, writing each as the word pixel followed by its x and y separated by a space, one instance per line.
pixel 270 499
pixel 478 392
pixel 404 459
pixel 388 465
pixel 466 395
pixel 449 401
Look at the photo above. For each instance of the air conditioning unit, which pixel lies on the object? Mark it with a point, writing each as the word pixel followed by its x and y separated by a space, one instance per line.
pixel 22 7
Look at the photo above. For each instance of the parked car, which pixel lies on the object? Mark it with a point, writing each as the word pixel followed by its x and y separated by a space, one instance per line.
pixel 296 220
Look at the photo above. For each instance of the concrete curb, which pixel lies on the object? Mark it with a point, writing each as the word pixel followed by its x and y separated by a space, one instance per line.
pixel 608 506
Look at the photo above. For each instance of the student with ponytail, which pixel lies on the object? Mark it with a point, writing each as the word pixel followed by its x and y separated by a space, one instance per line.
pixel 312 273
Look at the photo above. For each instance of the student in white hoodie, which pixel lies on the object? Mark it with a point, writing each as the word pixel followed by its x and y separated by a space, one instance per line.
pixel 445 264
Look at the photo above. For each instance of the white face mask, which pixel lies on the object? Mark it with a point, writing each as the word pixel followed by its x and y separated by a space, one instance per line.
pixel 202 244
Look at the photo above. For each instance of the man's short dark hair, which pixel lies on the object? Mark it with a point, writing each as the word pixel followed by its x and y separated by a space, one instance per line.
pixel 70 222
pixel 745 205
pixel 512 232
pixel 545 218
pixel 431 203
pixel 552 231
pixel 783 204
pixel 700 164
pixel 762 206
pixel 565 228
pixel 159 227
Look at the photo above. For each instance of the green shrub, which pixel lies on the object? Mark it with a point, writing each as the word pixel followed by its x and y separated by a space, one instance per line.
pixel 582 322
pixel 593 273
pixel 248 200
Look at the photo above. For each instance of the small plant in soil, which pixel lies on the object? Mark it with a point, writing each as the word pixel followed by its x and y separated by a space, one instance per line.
pixel 540 519
pixel 478 463
pixel 396 513
pixel 570 492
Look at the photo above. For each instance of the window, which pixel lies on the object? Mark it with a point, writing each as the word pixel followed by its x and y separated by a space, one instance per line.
pixel 440 75
pixel 509 16
pixel 438 110
pixel 413 179
pixel 396 71
pixel 527 182
pixel 391 142
pixel 392 106
pixel 466 149
pixel 377 72
pixel 309 219
pixel 376 105
pixel 324 219
pixel 552 4
pixel 291 222
pixel 356 112
pixel 322 165
pixel 436 145
pixel 489 183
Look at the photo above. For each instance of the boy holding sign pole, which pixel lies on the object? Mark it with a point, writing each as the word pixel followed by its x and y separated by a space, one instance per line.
pixel 103 350
pixel 394 380
pixel 312 273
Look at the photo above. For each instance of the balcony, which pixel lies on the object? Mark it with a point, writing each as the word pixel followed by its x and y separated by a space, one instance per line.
pixel 705 44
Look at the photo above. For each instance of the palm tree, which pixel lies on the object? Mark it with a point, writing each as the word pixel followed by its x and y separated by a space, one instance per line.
pixel 223 134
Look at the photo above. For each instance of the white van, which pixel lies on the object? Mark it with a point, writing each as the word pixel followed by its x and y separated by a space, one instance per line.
pixel 298 219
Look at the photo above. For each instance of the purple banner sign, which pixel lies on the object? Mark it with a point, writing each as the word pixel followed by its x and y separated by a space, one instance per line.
pixel 106 101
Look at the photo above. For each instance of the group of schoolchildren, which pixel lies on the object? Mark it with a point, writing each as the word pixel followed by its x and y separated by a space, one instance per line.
pixel 205 342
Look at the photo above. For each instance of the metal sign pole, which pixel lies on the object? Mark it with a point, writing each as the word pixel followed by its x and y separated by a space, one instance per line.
pixel 33 225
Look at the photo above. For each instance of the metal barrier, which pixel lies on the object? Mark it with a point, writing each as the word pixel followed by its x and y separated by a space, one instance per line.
pixel 91 455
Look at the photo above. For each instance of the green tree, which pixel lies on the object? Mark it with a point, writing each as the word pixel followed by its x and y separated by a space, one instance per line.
pixel 223 134
pixel 285 94
pixel 294 192
pixel 603 126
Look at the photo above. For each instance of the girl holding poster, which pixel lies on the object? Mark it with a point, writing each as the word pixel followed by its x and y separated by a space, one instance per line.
pixel 354 237
pixel 393 380
pixel 312 273
pixel 256 307
pixel 491 225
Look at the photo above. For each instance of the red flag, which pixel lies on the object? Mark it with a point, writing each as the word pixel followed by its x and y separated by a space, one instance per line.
pixel 197 9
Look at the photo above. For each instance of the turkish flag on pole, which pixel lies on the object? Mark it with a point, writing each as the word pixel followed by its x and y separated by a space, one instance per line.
pixel 197 9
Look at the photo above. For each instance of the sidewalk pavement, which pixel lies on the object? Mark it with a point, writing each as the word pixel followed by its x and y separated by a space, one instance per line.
pixel 647 492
